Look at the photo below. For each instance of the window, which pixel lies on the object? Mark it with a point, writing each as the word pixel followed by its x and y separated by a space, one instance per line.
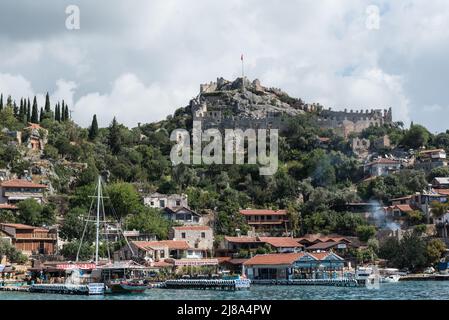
pixel 162 203
pixel 162 254
pixel 203 234
pixel 178 203
pixel 183 235
pixel 152 203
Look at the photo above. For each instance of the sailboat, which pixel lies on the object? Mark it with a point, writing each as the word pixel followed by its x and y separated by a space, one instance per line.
pixel 115 277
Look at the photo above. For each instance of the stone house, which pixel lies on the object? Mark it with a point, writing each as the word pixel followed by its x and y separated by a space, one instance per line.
pixel 198 237
pixel 161 201
pixel 382 167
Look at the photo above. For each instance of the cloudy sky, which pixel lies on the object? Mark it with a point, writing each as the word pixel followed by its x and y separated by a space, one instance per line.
pixel 141 60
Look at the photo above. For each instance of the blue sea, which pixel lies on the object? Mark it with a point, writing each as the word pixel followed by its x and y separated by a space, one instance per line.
pixel 407 290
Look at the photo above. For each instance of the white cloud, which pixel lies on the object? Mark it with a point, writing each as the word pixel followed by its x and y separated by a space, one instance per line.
pixel 15 85
pixel 142 60
pixel 130 101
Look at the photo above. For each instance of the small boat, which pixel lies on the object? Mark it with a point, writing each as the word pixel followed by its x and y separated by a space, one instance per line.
pixel 391 278
pixel 125 286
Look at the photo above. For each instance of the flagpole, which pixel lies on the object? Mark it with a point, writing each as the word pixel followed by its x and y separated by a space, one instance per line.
pixel 243 73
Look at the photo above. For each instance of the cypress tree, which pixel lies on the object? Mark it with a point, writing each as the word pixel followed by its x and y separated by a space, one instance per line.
pixel 16 110
pixel 62 111
pixel 9 101
pixel 57 113
pixel 29 111
pixel 34 112
pixel 93 131
pixel 41 115
pixel 47 103
pixel 114 137
pixel 1 102
pixel 66 114
pixel 21 109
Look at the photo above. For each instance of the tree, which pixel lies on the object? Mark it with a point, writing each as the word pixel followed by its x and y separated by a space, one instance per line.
pixel 74 224
pixel 1 102
pixel 29 212
pixel 35 112
pixel 365 232
pixel 70 249
pixel 28 111
pixel 123 199
pixel 63 112
pixel 41 115
pixel 149 221
pixel 434 251
pixel 114 137
pixel 47 103
pixel 415 217
pixel 439 209
pixel 7 216
pixel 58 112
pixel 13 255
pixel 93 130
pixel 416 137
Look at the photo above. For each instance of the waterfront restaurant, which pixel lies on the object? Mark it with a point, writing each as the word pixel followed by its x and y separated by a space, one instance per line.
pixel 288 266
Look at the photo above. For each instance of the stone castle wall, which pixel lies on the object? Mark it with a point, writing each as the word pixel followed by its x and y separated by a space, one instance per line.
pixel 343 122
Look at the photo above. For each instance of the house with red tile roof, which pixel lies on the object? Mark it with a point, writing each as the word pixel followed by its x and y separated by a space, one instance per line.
pixel 382 167
pixel 30 240
pixel 16 190
pixel 430 159
pixel 267 222
pixel 152 251
pixel 233 245
pixel 286 266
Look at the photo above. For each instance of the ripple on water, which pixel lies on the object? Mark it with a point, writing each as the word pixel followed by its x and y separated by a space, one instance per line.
pixel 413 290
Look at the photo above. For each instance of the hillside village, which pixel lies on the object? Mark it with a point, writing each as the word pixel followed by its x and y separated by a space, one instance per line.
pixel 353 187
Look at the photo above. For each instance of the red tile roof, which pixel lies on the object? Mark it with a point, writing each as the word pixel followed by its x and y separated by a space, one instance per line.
pixel 195 228
pixel 20 183
pixel 281 242
pixel 383 161
pixel 7 206
pixel 319 255
pixel 263 212
pixel 17 226
pixel 401 207
pixel 241 239
pixel 443 192
pixel 20 226
pixel 273 259
pixel 171 244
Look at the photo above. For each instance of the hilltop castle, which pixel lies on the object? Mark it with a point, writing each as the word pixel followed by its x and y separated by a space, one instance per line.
pixel 244 104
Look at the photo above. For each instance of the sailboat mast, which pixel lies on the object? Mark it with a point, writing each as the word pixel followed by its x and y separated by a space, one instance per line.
pixel 98 220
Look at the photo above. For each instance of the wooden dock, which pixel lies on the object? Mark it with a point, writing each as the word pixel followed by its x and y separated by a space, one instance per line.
pixel 425 277
pixel 15 288
pixel 205 284
pixel 72 289
pixel 309 282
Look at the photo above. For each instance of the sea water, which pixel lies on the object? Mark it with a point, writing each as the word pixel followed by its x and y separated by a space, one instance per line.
pixel 405 290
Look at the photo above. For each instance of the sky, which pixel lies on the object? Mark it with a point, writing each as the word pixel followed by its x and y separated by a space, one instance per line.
pixel 141 60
